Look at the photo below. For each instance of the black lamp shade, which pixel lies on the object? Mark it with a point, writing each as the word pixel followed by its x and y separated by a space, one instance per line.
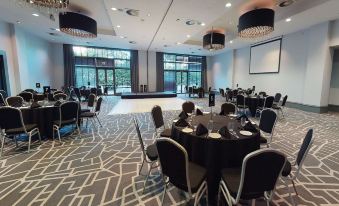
pixel 77 25
pixel 214 41
pixel 256 23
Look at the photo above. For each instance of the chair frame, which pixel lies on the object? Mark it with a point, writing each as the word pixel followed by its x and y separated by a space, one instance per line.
pixel 244 106
pixel 59 94
pixel 298 167
pixel 230 103
pixel 144 156
pixel 96 113
pixel 268 195
pixel 3 100
pixel 30 134
pixel 58 127
pixel 22 99
pixel 157 134
pixel 270 138
pixel 264 106
pixel 201 190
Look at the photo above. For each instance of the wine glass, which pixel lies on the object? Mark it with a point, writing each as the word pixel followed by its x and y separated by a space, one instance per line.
pixel 243 121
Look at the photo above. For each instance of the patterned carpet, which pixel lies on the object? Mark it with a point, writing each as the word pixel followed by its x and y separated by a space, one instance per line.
pixel 102 167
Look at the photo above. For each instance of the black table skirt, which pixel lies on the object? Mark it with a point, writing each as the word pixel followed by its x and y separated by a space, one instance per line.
pixel 43 117
pixel 216 154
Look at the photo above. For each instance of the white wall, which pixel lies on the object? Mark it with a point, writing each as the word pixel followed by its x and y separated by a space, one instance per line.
pixel 221 67
pixel 57 79
pixel 334 90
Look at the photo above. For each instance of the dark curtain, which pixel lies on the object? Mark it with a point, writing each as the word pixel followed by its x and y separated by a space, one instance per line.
pixel 69 65
pixel 134 70
pixel 160 71
pixel 204 73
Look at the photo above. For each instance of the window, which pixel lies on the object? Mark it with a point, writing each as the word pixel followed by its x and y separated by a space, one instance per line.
pixel 181 72
pixel 103 67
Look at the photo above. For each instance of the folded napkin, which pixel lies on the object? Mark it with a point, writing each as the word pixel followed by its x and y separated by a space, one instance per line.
pixel 199 112
pixel 35 105
pixel 250 127
pixel 201 130
pixel 241 116
pixel 224 132
pixel 57 103
pixel 183 115
pixel 181 123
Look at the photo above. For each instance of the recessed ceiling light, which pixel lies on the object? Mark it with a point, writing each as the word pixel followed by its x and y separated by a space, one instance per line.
pixel 228 5
pixel 114 9
pixel 122 37
pixel 35 14
pixel 188 36
pixel 18 22
pixel 202 24
pixel 118 26
pixel 149 14
pixel 288 20
pixel 31 1
pixel 178 43
pixel 57 29
pixel 231 42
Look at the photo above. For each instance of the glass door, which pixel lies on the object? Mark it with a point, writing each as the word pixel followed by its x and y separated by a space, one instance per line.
pixel 106 79
pixel 181 81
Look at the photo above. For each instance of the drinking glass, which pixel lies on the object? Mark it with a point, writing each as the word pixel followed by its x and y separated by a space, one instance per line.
pixel 230 126
pixel 243 121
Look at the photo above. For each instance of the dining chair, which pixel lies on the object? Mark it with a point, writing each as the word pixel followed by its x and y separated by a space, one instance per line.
pixel 27 96
pixel 68 115
pixel 12 125
pixel 282 107
pixel 149 154
pixel 38 97
pixel 15 101
pixel 57 92
pixel 228 108
pixel 59 96
pixel 268 103
pixel 188 106
pixel 158 122
pixel 241 103
pixel 93 115
pixel 298 163
pixel 267 122
pixel 179 171
pixel 257 177
pixel 277 98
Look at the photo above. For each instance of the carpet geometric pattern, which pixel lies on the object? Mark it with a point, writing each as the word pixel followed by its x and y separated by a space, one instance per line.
pixel 102 167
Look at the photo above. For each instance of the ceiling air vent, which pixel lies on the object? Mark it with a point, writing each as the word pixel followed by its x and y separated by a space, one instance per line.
pixel 285 3
pixel 132 12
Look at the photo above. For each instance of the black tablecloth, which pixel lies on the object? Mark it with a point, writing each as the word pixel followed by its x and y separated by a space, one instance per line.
pixel 216 154
pixel 253 103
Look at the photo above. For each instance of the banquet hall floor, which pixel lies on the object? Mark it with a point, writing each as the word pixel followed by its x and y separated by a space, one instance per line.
pixel 102 167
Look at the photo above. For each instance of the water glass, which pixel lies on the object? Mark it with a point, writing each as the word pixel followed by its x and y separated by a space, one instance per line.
pixel 243 121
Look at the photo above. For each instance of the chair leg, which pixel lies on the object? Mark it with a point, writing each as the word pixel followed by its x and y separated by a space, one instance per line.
pixel 149 172
pixel 86 122
pixel 218 200
pixel 163 195
pixel 143 161
pixel 2 143
pixel 39 136
pixel 78 128
pixel 15 140
pixel 59 137
pixel 98 120
pixel 29 142
pixel 289 192
pixel 295 189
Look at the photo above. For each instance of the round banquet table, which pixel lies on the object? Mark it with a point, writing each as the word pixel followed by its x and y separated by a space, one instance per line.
pixel 253 102
pixel 216 154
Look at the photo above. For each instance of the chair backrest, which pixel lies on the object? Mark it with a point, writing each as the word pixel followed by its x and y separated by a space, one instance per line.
pixel 57 92
pixel 11 118
pixel 188 106
pixel 16 101
pixel 91 100
pixel 174 166
pixel 284 101
pixel 222 92
pixel 30 90
pixel 38 97
pixel 228 108
pixel 93 91
pixel 4 94
pixel 269 102
pixel 106 91
pixel 68 111
pixel 59 96
pixel 240 100
pixel 27 96
pixel 262 93
pixel 305 147
pixel 157 117
pixel 277 97
pixel 267 121
pixel 260 172
pixel 142 145
pixel 98 105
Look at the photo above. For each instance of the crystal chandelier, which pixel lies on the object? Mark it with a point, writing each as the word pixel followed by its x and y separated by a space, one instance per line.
pixel 52 6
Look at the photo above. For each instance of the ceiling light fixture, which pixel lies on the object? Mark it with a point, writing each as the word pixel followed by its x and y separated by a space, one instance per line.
pixel 18 22
pixel 78 25
pixel 202 24
pixel 231 42
pixel 52 6
pixel 122 37
pixel 288 20
pixel 214 39
pixel 228 5
pixel 114 9
pixel 188 36
pixel 148 14
pixel 118 26
pixel 35 14
pixel 285 3
pixel 256 23
pixel 178 43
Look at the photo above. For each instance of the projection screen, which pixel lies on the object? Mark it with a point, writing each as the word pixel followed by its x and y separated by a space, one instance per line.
pixel 265 57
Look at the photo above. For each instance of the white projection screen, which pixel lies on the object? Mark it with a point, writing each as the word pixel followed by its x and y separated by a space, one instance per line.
pixel 265 57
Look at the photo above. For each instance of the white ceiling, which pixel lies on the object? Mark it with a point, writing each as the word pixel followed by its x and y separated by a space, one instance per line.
pixel 142 29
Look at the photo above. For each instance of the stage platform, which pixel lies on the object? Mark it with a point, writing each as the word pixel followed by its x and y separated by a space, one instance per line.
pixel 148 95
